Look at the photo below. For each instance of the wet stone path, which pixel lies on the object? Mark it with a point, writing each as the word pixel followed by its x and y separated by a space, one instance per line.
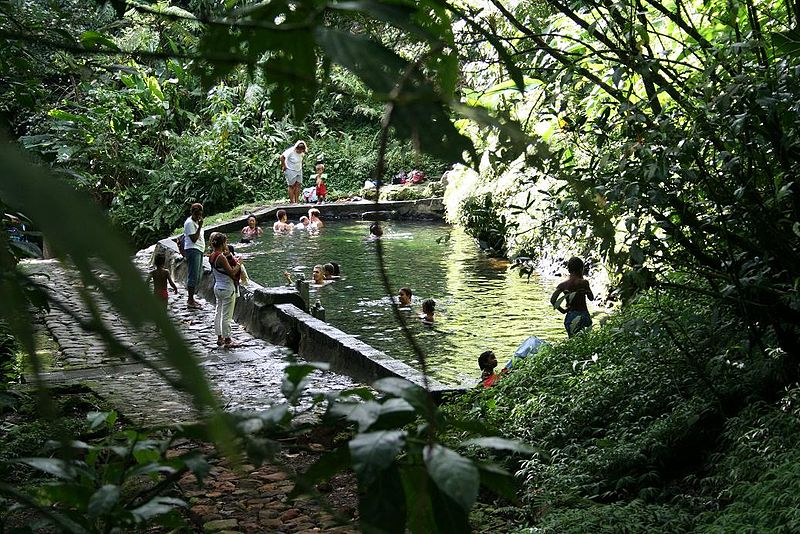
pixel 247 377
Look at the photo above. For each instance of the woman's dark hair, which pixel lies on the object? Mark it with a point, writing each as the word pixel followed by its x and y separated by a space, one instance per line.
pixel 280 214
pixel 483 359
pixel 328 269
pixel 336 270
pixel 428 306
pixel 375 229
pixel 575 266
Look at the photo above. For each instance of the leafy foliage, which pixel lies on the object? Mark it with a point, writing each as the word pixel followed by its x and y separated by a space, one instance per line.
pixel 483 218
pixel 95 485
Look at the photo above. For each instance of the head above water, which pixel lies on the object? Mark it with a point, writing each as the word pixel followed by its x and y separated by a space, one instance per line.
pixel 318 274
pixel 405 296
pixel 328 270
pixel 251 221
pixel 428 306
pixel 336 270
pixel 575 266
pixel 281 215
pixel 375 229
pixel 304 220
pixel 313 213
pixel 487 361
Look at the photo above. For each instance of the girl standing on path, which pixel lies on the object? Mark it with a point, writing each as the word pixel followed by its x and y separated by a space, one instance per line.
pixel 161 278
pixel 226 270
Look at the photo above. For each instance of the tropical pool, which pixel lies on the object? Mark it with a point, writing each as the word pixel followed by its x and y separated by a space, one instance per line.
pixel 480 303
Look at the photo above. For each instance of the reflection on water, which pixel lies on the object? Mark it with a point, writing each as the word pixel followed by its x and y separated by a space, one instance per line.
pixel 480 303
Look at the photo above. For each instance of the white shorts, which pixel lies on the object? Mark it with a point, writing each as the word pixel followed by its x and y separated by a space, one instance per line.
pixel 293 177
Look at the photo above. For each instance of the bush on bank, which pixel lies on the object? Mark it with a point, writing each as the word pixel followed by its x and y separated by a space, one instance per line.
pixel 655 421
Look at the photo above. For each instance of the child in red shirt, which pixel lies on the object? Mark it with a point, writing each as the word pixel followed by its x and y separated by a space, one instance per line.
pixel 322 190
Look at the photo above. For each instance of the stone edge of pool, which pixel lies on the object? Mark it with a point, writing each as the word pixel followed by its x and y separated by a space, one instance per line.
pixel 278 314
pixel 428 208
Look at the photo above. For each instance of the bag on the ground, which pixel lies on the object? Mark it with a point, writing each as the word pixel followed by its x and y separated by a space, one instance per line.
pixel 310 194
pixel 182 244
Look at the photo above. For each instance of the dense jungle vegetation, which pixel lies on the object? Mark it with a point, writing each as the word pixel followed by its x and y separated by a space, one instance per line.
pixel 657 139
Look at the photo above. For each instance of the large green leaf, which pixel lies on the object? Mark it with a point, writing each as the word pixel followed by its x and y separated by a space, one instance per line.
pixel 456 476
pixel 55 466
pixel 378 67
pixel 382 504
pixel 372 452
pixel 786 43
pixel 499 481
pixel 399 387
pixel 419 488
pixel 398 14
pixel 103 501
pixel 155 507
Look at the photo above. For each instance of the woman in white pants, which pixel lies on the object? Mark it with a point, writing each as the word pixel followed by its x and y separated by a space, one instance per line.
pixel 226 270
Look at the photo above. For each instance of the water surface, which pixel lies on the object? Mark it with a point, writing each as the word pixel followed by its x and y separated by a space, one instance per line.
pixel 480 303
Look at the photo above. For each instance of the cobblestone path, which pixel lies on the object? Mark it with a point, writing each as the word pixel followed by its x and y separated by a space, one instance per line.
pixel 247 377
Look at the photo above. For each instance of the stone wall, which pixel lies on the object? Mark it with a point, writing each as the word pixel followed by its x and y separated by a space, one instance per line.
pixel 278 314
pixel 426 209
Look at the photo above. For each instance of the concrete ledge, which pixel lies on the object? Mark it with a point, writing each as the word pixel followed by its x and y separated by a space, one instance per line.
pixel 278 314
pixel 425 209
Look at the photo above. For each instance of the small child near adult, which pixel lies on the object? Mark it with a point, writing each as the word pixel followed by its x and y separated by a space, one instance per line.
pixel 404 297
pixel 281 226
pixel 303 224
pixel 428 310
pixel 322 189
pixel 576 290
pixel 161 278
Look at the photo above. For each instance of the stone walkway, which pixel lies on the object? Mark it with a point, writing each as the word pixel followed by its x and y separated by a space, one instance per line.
pixel 232 499
pixel 247 377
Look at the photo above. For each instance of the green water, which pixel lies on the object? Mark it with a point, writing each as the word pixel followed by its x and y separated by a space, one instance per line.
pixel 480 303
